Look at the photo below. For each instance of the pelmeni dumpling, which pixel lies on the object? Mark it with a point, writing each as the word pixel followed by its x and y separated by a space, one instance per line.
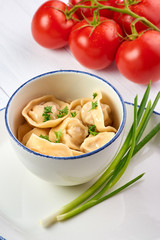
pixel 43 146
pixel 61 129
pixel 99 115
pixel 77 153
pixel 73 133
pixel 78 103
pixel 35 109
pixel 92 143
pixel 38 131
pixel 23 129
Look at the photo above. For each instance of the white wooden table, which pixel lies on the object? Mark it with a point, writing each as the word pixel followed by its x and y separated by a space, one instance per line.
pixel 21 58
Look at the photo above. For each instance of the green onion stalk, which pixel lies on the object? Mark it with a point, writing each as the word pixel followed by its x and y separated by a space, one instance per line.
pixel 132 144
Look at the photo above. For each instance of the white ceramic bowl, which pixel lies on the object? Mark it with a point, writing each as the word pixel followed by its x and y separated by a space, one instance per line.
pixel 65 84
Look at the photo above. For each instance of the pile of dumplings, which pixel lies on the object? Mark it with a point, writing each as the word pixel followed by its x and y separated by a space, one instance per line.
pixel 70 129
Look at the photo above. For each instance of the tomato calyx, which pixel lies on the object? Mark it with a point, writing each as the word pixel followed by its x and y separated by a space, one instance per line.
pixel 96 20
pixel 128 3
pixel 94 23
pixel 80 5
pixel 133 2
pixel 66 12
pixel 69 15
pixel 134 33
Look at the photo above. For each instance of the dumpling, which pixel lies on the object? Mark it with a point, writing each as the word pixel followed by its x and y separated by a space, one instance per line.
pixel 99 115
pixel 45 112
pixel 43 146
pixel 73 133
pixel 23 129
pixel 77 153
pixel 96 113
pixel 38 131
pixel 94 142
pixel 37 111
pixel 57 128
pixel 78 103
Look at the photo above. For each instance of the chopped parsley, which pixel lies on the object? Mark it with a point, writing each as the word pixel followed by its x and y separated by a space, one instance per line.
pixel 58 136
pixel 46 137
pixel 63 112
pixel 92 131
pixel 73 114
pixel 94 105
pixel 94 95
pixel 46 114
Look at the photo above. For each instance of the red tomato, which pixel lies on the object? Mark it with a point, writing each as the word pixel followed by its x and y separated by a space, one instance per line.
pixel 149 9
pixel 88 12
pixel 50 28
pixel 139 60
pixel 95 47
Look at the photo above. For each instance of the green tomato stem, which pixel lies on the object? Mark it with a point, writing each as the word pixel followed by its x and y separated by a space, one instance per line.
pixel 124 10
pixel 131 13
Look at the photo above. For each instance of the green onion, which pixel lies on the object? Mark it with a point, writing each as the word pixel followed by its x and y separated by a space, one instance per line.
pixel 63 112
pixel 46 137
pixel 119 172
pixel 73 114
pixel 46 114
pixel 91 130
pixel 94 105
pixel 58 135
pixel 148 116
pixel 92 203
pixel 113 173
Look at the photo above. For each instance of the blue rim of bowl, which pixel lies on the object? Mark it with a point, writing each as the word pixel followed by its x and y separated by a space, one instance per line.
pixel 71 157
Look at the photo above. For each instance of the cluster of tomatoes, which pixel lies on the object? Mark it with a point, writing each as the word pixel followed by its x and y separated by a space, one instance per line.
pixel 99 36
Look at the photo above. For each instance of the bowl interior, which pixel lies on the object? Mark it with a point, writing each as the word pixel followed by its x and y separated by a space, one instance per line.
pixel 64 85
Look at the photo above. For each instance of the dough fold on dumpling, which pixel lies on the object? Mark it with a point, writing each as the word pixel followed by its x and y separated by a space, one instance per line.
pixel 38 131
pixel 33 112
pixel 78 103
pixel 23 129
pixel 43 146
pixel 77 153
pixel 73 133
pixel 94 142
pixel 98 116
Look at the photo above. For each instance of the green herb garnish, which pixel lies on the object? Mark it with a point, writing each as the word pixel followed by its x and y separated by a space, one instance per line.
pixel 94 95
pixel 92 131
pixel 46 137
pixel 63 112
pixel 58 136
pixel 132 144
pixel 46 114
pixel 73 114
pixel 94 105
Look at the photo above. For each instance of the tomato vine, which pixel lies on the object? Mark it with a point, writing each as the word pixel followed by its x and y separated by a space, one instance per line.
pixel 126 10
